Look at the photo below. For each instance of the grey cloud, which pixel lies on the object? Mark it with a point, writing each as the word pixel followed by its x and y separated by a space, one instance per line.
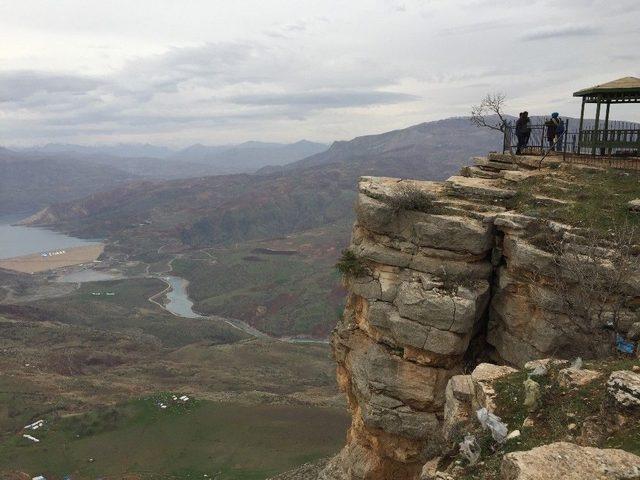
pixel 562 31
pixel 333 99
pixel 17 86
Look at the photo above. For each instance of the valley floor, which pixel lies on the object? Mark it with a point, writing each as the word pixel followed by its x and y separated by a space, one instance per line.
pixel 97 366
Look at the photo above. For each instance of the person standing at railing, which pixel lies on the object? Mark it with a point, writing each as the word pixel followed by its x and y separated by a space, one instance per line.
pixel 552 129
pixel 523 131
pixel 560 130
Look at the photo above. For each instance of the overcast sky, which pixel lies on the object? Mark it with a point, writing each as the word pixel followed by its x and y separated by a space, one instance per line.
pixel 211 71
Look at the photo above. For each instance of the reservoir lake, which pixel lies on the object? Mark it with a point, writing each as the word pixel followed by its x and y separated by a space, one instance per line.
pixel 18 240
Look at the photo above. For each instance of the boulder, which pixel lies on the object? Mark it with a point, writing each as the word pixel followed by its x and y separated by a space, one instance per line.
pixel 546 363
pixel 567 461
pixel 624 387
pixel 574 377
pixel 457 408
pixel 634 205
pixel 483 377
pixel 532 395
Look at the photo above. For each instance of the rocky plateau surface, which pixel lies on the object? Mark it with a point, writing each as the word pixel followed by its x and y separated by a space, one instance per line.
pixel 447 267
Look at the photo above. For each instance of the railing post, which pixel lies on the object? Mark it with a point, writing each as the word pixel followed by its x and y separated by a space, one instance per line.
pixel 596 128
pixel 565 140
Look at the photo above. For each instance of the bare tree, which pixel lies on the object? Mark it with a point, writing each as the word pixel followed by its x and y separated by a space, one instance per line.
pixel 591 274
pixel 491 105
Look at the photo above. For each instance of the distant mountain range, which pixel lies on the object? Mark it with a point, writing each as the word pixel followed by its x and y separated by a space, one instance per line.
pixel 122 150
pixel 304 194
pixel 32 178
pixel 245 156
pixel 27 184
pixel 248 156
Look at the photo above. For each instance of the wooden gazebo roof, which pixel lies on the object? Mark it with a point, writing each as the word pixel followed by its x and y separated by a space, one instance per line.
pixel 622 90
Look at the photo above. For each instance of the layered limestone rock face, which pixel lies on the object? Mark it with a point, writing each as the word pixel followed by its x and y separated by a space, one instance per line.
pixel 445 263
pixel 407 325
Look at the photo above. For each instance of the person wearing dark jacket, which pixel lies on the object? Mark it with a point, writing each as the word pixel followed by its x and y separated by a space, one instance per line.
pixel 554 127
pixel 523 131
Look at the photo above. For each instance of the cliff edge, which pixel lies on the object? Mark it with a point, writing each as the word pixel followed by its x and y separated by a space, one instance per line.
pixel 443 275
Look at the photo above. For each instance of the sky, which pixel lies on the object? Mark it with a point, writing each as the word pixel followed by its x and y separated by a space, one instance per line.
pixel 216 72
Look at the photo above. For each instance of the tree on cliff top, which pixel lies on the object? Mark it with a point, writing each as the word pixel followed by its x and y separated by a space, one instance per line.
pixel 492 105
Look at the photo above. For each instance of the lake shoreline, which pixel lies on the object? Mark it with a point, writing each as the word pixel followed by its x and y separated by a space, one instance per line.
pixel 37 262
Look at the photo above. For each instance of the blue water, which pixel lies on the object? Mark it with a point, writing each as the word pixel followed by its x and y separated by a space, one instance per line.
pixel 17 240
pixel 178 301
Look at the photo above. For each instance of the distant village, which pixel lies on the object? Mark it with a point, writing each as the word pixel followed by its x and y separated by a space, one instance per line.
pixel 53 254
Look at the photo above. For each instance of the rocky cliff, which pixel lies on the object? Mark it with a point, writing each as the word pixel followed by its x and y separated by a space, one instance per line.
pixel 443 273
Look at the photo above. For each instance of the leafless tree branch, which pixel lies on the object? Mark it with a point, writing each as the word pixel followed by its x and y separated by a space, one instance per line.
pixel 592 272
pixel 492 104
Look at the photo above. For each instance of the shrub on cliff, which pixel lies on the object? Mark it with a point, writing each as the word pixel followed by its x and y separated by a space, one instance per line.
pixel 411 198
pixel 350 264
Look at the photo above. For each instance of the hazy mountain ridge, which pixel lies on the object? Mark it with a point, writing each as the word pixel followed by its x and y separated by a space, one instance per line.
pixel 312 192
pixel 450 138
pixel 248 156
pixel 122 150
pixel 35 177
pixel 27 184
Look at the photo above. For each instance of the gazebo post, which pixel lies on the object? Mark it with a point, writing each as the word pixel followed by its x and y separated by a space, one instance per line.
pixel 605 141
pixel 596 127
pixel 606 129
pixel 581 124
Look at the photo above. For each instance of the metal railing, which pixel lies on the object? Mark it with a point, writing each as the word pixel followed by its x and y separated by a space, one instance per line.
pixel 613 141
pixel 536 142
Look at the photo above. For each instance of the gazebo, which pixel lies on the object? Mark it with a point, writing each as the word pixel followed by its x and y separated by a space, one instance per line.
pixel 606 140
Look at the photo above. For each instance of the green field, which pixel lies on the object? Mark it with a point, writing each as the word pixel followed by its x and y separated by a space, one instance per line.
pixel 128 310
pixel 184 441
pixel 291 293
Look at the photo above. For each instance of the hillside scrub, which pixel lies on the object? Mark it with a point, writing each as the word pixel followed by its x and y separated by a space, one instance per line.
pixel 350 264
pixel 409 197
pixel 585 415
pixel 595 199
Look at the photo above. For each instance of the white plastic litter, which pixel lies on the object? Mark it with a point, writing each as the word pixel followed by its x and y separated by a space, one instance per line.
pixel 29 437
pixel 488 420
pixel 39 477
pixel 470 449
pixel 35 425
pixel 184 398
pixel 514 434
pixel 576 364
pixel 539 371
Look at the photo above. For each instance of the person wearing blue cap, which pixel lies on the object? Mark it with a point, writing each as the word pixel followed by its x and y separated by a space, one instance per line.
pixel 555 131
